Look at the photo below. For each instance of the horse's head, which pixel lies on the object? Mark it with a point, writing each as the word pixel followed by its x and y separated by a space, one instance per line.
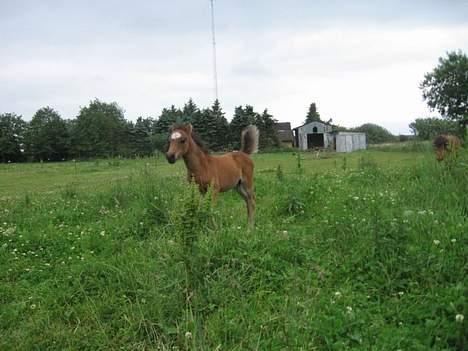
pixel 440 145
pixel 179 142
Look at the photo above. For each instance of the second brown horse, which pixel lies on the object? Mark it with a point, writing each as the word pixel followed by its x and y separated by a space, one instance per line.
pixel 221 173
pixel 446 144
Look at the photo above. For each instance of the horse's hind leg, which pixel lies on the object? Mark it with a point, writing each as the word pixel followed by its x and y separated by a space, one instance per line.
pixel 245 189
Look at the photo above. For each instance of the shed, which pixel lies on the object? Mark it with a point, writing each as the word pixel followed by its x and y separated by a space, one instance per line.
pixel 348 141
pixel 284 132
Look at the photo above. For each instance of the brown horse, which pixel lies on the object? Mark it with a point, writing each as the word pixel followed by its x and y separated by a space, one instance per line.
pixel 446 144
pixel 221 173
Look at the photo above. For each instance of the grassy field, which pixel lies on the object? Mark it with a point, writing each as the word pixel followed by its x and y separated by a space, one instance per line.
pixel 365 251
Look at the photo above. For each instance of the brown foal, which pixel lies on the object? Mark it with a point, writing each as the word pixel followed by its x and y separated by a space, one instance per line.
pixel 446 144
pixel 221 173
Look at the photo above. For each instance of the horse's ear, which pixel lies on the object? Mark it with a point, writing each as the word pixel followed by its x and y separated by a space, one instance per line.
pixel 171 128
pixel 189 128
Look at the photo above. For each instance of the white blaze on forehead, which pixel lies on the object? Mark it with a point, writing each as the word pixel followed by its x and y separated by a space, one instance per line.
pixel 175 135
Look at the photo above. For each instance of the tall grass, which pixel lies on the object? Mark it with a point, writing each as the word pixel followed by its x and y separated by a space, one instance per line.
pixel 348 258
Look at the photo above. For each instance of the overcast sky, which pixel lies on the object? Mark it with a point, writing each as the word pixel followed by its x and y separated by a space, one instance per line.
pixel 359 61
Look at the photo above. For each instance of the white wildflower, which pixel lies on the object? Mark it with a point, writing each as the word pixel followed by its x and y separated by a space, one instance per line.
pixel 459 318
pixel 436 242
pixel 408 213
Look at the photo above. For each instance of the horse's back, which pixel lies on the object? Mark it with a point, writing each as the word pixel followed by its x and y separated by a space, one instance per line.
pixel 233 167
pixel 242 159
pixel 454 141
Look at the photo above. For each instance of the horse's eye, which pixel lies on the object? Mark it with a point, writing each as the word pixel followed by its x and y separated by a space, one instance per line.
pixel 182 141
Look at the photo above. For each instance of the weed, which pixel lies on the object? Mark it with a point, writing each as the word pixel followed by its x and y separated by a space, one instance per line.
pixel 279 173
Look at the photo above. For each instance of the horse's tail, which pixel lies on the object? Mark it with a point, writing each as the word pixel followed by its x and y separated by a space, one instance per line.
pixel 249 140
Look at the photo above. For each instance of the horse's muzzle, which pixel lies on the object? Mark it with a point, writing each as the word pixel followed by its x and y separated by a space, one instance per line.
pixel 171 158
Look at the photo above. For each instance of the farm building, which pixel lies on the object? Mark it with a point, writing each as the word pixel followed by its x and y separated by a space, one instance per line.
pixel 321 135
pixel 349 141
pixel 285 135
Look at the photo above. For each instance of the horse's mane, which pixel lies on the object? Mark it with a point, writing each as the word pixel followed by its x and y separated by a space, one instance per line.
pixel 195 137
pixel 440 141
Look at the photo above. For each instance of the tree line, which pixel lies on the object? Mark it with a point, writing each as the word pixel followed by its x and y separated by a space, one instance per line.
pixel 101 130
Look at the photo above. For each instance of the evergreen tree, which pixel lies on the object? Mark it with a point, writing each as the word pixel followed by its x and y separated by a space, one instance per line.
pixel 141 138
pixel 211 126
pixel 204 126
pixel 72 130
pixel 166 120
pixel 242 118
pixel 312 115
pixel 47 137
pixel 190 112
pixel 221 127
pixel 266 126
pixel 12 128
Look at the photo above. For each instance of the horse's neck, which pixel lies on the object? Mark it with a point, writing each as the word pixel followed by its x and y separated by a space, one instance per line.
pixel 195 160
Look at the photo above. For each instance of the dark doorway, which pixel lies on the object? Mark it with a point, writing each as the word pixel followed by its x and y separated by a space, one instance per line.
pixel 315 140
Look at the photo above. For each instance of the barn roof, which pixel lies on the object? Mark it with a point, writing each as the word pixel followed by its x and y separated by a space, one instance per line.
pixel 321 122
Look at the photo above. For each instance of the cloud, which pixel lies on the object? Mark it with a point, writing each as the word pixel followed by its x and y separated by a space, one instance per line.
pixel 360 62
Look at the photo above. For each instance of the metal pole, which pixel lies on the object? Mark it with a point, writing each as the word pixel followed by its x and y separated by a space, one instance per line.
pixel 215 73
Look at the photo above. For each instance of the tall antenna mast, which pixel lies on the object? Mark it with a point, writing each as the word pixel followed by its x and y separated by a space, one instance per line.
pixel 215 72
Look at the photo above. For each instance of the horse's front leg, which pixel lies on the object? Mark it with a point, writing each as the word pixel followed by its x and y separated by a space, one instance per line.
pixel 214 188
pixel 214 196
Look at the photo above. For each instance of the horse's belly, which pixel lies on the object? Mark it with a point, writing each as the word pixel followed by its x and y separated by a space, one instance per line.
pixel 228 174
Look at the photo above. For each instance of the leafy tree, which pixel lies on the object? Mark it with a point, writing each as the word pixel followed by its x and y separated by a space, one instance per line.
pixel 266 126
pixel 47 137
pixel 12 128
pixel 375 133
pixel 428 128
pixel 445 89
pixel 312 115
pixel 101 130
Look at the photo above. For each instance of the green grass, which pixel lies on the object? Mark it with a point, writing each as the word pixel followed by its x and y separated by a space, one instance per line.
pixel 365 251
pixel 17 180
